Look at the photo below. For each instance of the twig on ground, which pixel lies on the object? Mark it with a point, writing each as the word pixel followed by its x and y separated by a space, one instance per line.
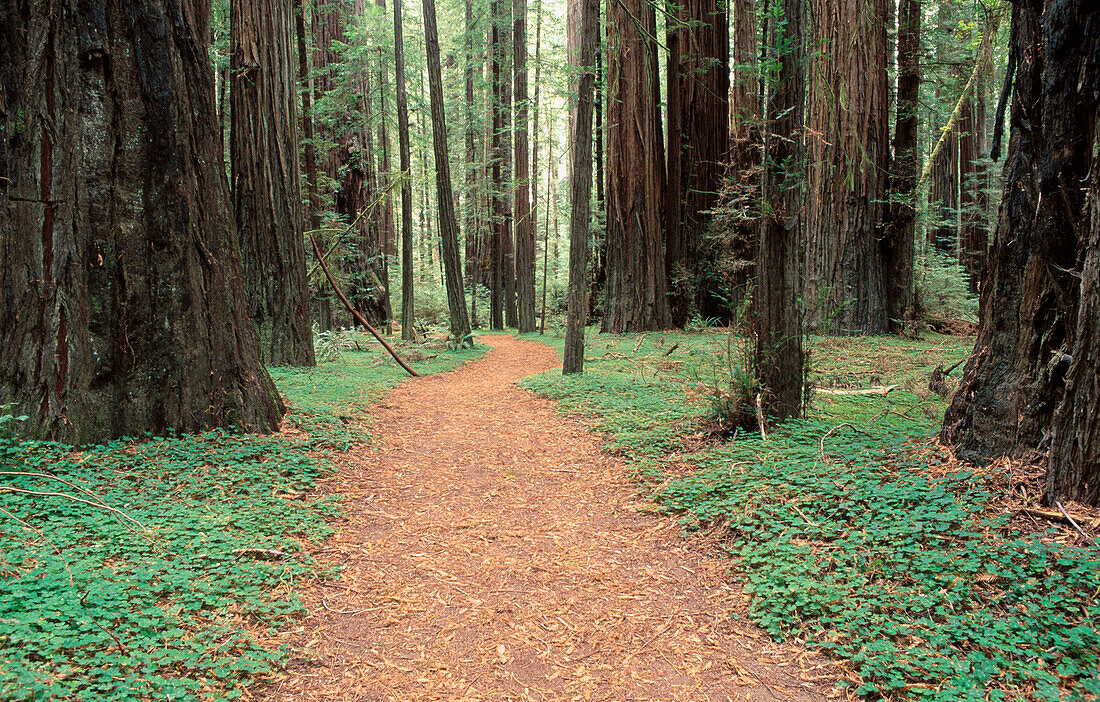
pixel 1070 520
pixel 878 390
pixel 821 444
pixel 74 498
pixel 340 611
pixel 760 418
pixel 47 540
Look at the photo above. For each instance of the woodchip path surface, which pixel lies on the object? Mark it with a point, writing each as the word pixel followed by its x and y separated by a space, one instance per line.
pixel 493 552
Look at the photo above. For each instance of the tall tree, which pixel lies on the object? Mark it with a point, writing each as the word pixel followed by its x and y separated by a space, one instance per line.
pixel 901 231
pixel 267 196
pixel 123 310
pixel 779 356
pixel 845 274
pixel 634 295
pixel 1031 385
pixel 581 191
pixel 498 174
pixel 448 222
pixel 698 137
pixel 974 181
pixel 525 224
pixel 408 318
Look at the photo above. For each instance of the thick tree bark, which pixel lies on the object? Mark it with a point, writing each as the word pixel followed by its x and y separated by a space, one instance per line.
pixel 448 222
pixel 974 182
pixel 581 187
pixel 700 71
pixel 1030 385
pixel 507 166
pixel 845 286
pixel 779 357
pixel 525 224
pixel 267 195
pixel 499 146
pixel 635 294
pixel 901 231
pixel 721 296
pixel 121 305
pixel 308 149
pixel 408 318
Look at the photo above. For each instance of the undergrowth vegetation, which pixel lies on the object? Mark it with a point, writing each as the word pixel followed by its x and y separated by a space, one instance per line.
pixel 851 529
pixel 155 601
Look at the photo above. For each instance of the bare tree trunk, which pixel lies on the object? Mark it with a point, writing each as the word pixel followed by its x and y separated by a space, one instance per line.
pixel 974 181
pixel 497 208
pixel 1031 384
pixel 448 222
pixel 123 309
pixel 634 298
pixel 581 193
pixel 779 357
pixel 901 231
pixel 717 296
pixel 845 285
pixel 408 318
pixel 508 223
pixel 525 225
pixel 267 196
pixel 699 85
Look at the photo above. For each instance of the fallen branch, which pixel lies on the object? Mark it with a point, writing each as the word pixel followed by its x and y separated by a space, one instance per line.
pixel 671 349
pixel 826 435
pixel 355 313
pixel 760 418
pixel 877 390
pixel 263 554
pixel 74 498
pixel 1070 520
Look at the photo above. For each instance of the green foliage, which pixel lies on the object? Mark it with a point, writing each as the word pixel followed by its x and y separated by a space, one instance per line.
pixel 851 531
pixel 942 288
pixel 93 607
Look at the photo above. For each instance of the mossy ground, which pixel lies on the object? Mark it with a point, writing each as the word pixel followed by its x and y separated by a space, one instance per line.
pixel 851 528
pixel 157 606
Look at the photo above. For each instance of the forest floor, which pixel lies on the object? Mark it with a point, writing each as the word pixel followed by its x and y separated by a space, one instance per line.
pixel 493 551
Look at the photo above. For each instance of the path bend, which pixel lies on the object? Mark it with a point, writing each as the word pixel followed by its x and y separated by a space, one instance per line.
pixel 494 552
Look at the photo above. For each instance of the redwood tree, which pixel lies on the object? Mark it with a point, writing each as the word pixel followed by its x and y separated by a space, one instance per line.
pixel 1031 386
pixel 525 224
pixel 845 275
pixel 448 222
pixel 408 333
pixel 581 190
pixel 267 194
pixel 122 308
pixel 901 230
pixel 698 147
pixel 779 357
pixel 634 294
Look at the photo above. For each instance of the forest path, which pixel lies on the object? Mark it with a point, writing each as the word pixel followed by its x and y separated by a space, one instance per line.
pixel 493 552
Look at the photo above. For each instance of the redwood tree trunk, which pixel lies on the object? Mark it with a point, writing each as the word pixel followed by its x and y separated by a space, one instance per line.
pixel 408 332
pixel 581 191
pixel 634 294
pixel 525 225
pixel 122 310
pixel 701 72
pixel 779 357
pixel 973 181
pixel 845 285
pixel 1031 384
pixel 448 222
pixel 267 194
pixel 901 231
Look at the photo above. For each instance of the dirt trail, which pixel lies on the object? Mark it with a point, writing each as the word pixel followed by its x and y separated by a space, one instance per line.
pixel 492 552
